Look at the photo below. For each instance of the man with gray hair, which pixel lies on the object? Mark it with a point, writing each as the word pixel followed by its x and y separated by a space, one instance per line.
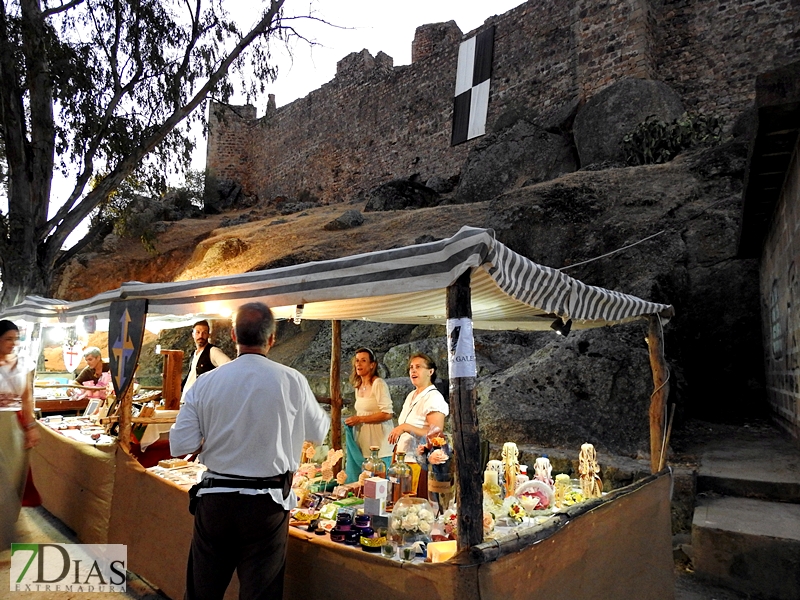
pixel 249 419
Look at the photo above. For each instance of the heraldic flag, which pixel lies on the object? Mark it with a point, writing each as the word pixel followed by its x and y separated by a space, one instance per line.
pixel 473 75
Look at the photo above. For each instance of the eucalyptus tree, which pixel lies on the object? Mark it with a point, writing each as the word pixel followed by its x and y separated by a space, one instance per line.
pixel 105 90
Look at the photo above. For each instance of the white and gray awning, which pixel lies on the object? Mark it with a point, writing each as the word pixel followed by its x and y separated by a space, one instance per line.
pixel 402 285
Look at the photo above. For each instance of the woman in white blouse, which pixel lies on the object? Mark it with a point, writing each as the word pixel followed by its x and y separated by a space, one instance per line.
pixel 372 422
pixel 18 428
pixel 423 409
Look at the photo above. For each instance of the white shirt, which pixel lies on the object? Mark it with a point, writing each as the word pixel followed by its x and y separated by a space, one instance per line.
pixel 217 356
pixel 251 416
pixel 414 412
pixel 14 381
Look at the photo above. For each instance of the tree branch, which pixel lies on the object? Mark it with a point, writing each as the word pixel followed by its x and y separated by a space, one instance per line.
pixel 49 12
pixel 128 164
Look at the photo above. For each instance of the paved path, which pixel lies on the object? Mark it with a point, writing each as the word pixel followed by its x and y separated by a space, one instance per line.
pixel 36 525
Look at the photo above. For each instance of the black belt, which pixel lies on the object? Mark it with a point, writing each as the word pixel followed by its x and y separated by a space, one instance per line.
pixel 239 481
pixel 276 482
pixel 281 482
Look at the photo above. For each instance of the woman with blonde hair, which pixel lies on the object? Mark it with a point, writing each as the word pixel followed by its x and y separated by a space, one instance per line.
pixel 372 423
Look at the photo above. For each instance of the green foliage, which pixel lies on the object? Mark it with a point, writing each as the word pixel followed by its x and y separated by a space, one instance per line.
pixel 103 90
pixel 126 209
pixel 137 204
pixel 653 141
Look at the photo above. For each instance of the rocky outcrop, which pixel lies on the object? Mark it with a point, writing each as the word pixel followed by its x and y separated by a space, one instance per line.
pixel 521 155
pixel 223 195
pixel 347 220
pixel 400 194
pixel 608 116
pixel 666 233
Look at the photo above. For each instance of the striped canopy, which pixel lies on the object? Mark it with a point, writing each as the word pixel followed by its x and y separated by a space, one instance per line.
pixel 402 285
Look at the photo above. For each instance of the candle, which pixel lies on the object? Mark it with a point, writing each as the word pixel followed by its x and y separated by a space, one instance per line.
pixel 490 478
pixel 442 551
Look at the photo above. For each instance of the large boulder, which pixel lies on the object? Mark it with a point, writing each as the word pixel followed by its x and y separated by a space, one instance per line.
pixel 400 194
pixel 611 114
pixel 223 195
pixel 520 155
pixel 590 387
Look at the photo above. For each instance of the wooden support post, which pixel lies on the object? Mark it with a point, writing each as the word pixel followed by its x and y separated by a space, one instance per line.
pixel 466 440
pixel 336 387
pixel 124 436
pixel 171 379
pixel 658 400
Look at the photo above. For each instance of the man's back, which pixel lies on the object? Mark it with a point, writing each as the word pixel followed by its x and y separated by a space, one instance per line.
pixel 252 416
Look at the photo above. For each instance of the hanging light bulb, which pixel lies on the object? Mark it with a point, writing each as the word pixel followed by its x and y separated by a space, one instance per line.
pixel 298 314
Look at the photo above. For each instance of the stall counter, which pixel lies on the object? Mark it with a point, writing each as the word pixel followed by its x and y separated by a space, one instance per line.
pixel 619 546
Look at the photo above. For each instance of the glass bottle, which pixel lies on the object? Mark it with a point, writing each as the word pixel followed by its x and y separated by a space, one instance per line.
pixel 373 465
pixel 399 479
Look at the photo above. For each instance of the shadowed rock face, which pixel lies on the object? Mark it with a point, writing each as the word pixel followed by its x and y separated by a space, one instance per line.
pixel 573 390
pixel 523 154
pixel 611 114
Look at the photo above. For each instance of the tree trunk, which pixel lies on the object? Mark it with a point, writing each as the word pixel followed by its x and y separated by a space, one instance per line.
pixel 22 273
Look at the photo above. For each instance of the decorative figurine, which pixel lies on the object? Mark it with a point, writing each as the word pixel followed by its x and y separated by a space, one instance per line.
pixel 562 488
pixel 591 484
pixel 511 467
pixel 543 471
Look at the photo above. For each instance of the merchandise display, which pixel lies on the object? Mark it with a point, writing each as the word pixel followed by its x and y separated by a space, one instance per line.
pixel 80 429
pixel 376 514
pixel 186 475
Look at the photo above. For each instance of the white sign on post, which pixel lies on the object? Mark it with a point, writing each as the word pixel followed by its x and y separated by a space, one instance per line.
pixel 461 348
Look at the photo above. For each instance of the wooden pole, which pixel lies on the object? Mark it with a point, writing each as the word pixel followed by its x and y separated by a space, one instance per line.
pixel 658 364
pixel 124 436
pixel 466 440
pixel 336 387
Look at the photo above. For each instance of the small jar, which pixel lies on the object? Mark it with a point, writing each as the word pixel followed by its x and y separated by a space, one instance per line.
pixel 338 535
pixel 362 520
pixel 344 521
pixel 352 537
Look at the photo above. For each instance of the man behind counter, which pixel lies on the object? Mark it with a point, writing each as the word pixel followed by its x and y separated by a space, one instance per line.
pixel 206 355
pixel 249 418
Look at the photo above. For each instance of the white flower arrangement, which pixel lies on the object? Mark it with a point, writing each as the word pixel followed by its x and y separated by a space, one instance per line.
pixel 412 519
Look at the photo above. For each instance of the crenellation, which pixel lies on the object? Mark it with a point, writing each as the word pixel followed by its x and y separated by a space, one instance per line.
pixel 374 121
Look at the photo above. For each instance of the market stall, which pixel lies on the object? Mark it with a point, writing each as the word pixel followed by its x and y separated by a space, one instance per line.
pixel 75 478
pixel 469 280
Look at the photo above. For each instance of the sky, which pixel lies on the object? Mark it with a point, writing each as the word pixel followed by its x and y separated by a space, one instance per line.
pixel 353 25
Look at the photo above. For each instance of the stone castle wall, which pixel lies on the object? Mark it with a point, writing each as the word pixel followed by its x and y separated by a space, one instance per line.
pixel 375 122
pixel 780 294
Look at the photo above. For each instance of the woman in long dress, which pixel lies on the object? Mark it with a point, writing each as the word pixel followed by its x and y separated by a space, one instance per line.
pixel 18 428
pixel 372 422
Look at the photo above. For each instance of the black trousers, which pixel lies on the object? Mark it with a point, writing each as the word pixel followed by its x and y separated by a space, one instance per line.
pixel 246 533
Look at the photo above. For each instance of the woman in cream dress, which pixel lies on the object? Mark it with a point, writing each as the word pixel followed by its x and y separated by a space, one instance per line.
pixel 372 422
pixel 18 429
